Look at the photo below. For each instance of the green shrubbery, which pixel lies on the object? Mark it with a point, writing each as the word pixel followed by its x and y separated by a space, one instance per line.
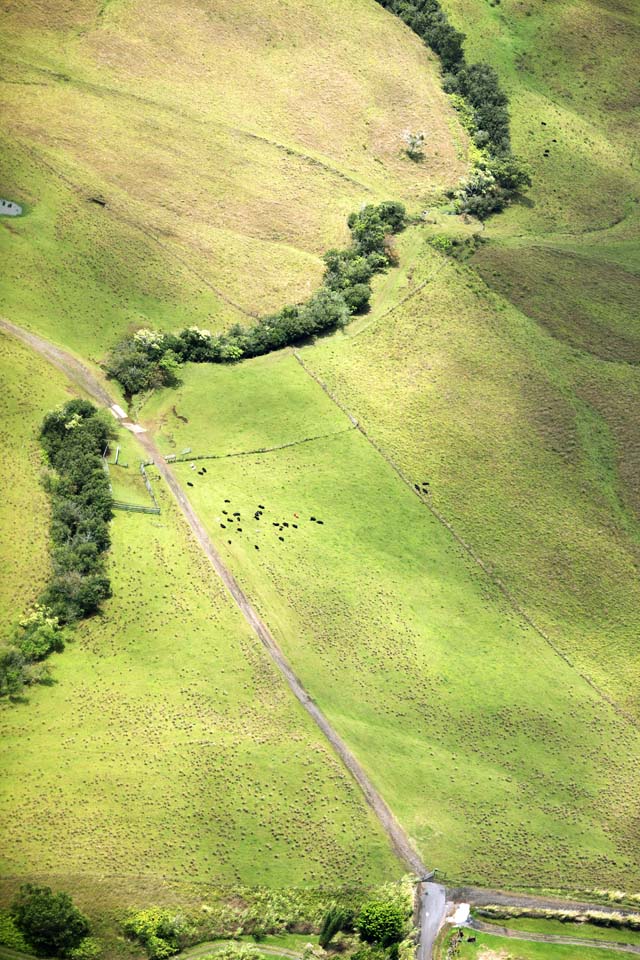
pixel 149 359
pixel 159 931
pixel 601 918
pixel 49 922
pixel 475 88
pixel 74 438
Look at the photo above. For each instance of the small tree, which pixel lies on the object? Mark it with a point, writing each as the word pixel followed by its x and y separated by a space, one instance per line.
pixel 382 922
pixel 49 922
pixel 414 144
pixel 334 920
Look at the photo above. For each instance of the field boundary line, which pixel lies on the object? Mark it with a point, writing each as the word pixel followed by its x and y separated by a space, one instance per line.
pixel 399 303
pixel 169 458
pixel 491 574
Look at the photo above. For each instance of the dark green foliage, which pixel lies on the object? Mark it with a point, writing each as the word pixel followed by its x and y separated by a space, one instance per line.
pixel 334 921
pixel 381 922
pixel 13 672
pixel 49 922
pixel 149 359
pixel 480 86
pixel 74 439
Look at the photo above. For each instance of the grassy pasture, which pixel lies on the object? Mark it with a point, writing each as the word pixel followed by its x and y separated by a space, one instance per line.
pixel 226 171
pixel 168 761
pixel 29 390
pixel 589 931
pixel 529 447
pixel 488 947
pixel 229 409
pixel 501 763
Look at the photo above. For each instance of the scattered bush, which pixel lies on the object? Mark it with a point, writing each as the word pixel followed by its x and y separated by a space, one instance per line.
pixel 414 144
pixel 49 922
pixel 381 922
pixel 10 936
pixel 150 359
pixel 335 920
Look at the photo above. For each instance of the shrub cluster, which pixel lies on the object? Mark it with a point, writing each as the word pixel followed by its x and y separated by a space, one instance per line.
pixel 601 918
pixel 74 438
pixel 159 931
pixel 499 175
pixel 148 359
pixel 50 923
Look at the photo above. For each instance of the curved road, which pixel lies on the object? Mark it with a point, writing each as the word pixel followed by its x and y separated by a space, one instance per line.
pixel 432 895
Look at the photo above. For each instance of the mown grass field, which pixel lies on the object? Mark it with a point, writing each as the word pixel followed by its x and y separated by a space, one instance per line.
pixel 497 758
pixel 227 167
pixel 29 390
pixel 589 931
pixel 488 947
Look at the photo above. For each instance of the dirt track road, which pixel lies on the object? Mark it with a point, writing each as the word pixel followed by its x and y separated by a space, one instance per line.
pixel 497 931
pixel 89 382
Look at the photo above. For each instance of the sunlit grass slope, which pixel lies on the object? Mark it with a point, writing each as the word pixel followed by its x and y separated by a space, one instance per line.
pixel 29 390
pixel 528 447
pixel 501 762
pixel 170 750
pixel 228 143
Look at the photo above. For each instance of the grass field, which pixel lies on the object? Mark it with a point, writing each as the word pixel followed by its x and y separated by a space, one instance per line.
pixel 487 947
pixel 168 762
pixel 497 760
pixel 226 171
pixel 589 931
pixel 29 390
pixel 201 187
pixel 529 448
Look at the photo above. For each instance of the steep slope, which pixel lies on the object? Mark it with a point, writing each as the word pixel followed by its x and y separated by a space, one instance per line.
pixel 227 146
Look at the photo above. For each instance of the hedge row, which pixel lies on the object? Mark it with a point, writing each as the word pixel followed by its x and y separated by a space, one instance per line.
pixel 498 176
pixel 74 439
pixel 600 918
pixel 149 359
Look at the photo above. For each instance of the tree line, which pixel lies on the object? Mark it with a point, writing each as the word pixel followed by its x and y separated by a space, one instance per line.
pixel 149 358
pixel 73 438
pixel 497 176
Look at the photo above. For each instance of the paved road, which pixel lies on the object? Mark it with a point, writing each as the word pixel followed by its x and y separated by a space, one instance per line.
pixel 433 907
pixel 72 367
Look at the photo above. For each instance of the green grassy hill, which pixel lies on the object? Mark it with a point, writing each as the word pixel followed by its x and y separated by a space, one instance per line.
pixel 228 147
pixel 189 163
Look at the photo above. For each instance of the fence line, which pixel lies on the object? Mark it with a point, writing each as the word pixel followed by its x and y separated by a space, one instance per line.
pixel 135 507
pixel 171 458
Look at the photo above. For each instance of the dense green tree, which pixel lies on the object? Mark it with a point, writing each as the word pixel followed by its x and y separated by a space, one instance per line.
pixel 381 922
pixel 50 922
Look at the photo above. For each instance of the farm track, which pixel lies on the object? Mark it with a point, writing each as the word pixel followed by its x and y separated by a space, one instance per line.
pixel 468 549
pixel 509 934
